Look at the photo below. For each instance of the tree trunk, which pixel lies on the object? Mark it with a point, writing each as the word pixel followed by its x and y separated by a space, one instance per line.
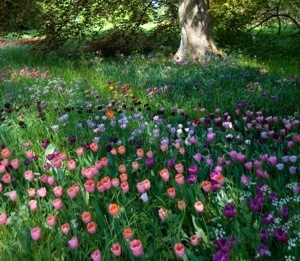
pixel 196 31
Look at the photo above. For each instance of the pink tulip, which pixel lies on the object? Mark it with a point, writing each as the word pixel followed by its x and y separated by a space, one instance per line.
pixel 6 178
pixel 65 228
pixel 36 233
pixel 197 157
pixel 179 178
pixel 124 186
pixel 51 220
pixel 140 187
pixel 73 243
pixel 163 214
pixel 42 192
pixel 72 193
pixel 86 217
pixel 71 164
pixel 181 205
pixel 91 227
pixel 116 249
pixel 31 192
pixel 90 186
pixel 194 240
pixel 44 179
pixel 5 153
pixel 179 250
pixel 51 180
pixel 58 191
pixel 29 154
pixel 3 219
pixel 171 192
pixel 115 182
pixel 13 195
pixel 57 203
pixel 33 205
pixel 57 162
pixel 96 255
pixel 136 247
pixel 164 174
pixel 28 175
pixel 15 163
pixel 199 207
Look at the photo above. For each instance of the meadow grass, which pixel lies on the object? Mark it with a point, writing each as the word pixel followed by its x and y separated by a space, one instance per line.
pixel 201 159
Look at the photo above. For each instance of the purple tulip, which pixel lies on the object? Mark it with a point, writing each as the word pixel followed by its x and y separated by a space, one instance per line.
pixel 193 170
pixel 229 210
pixel 220 256
pixel 263 251
pixel 264 234
pixel 281 235
pixel 268 218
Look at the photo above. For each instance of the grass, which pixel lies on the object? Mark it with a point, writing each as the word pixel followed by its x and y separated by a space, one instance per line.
pixel 232 123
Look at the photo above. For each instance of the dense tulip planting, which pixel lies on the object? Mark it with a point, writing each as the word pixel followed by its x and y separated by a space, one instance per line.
pixel 117 172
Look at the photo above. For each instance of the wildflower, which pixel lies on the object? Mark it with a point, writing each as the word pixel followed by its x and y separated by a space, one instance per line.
pixel 179 250
pixel 136 247
pixel 35 233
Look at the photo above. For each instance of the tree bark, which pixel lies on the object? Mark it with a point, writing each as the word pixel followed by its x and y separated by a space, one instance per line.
pixel 196 31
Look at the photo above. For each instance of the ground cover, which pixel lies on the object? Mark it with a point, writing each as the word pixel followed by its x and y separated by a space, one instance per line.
pixel 137 158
